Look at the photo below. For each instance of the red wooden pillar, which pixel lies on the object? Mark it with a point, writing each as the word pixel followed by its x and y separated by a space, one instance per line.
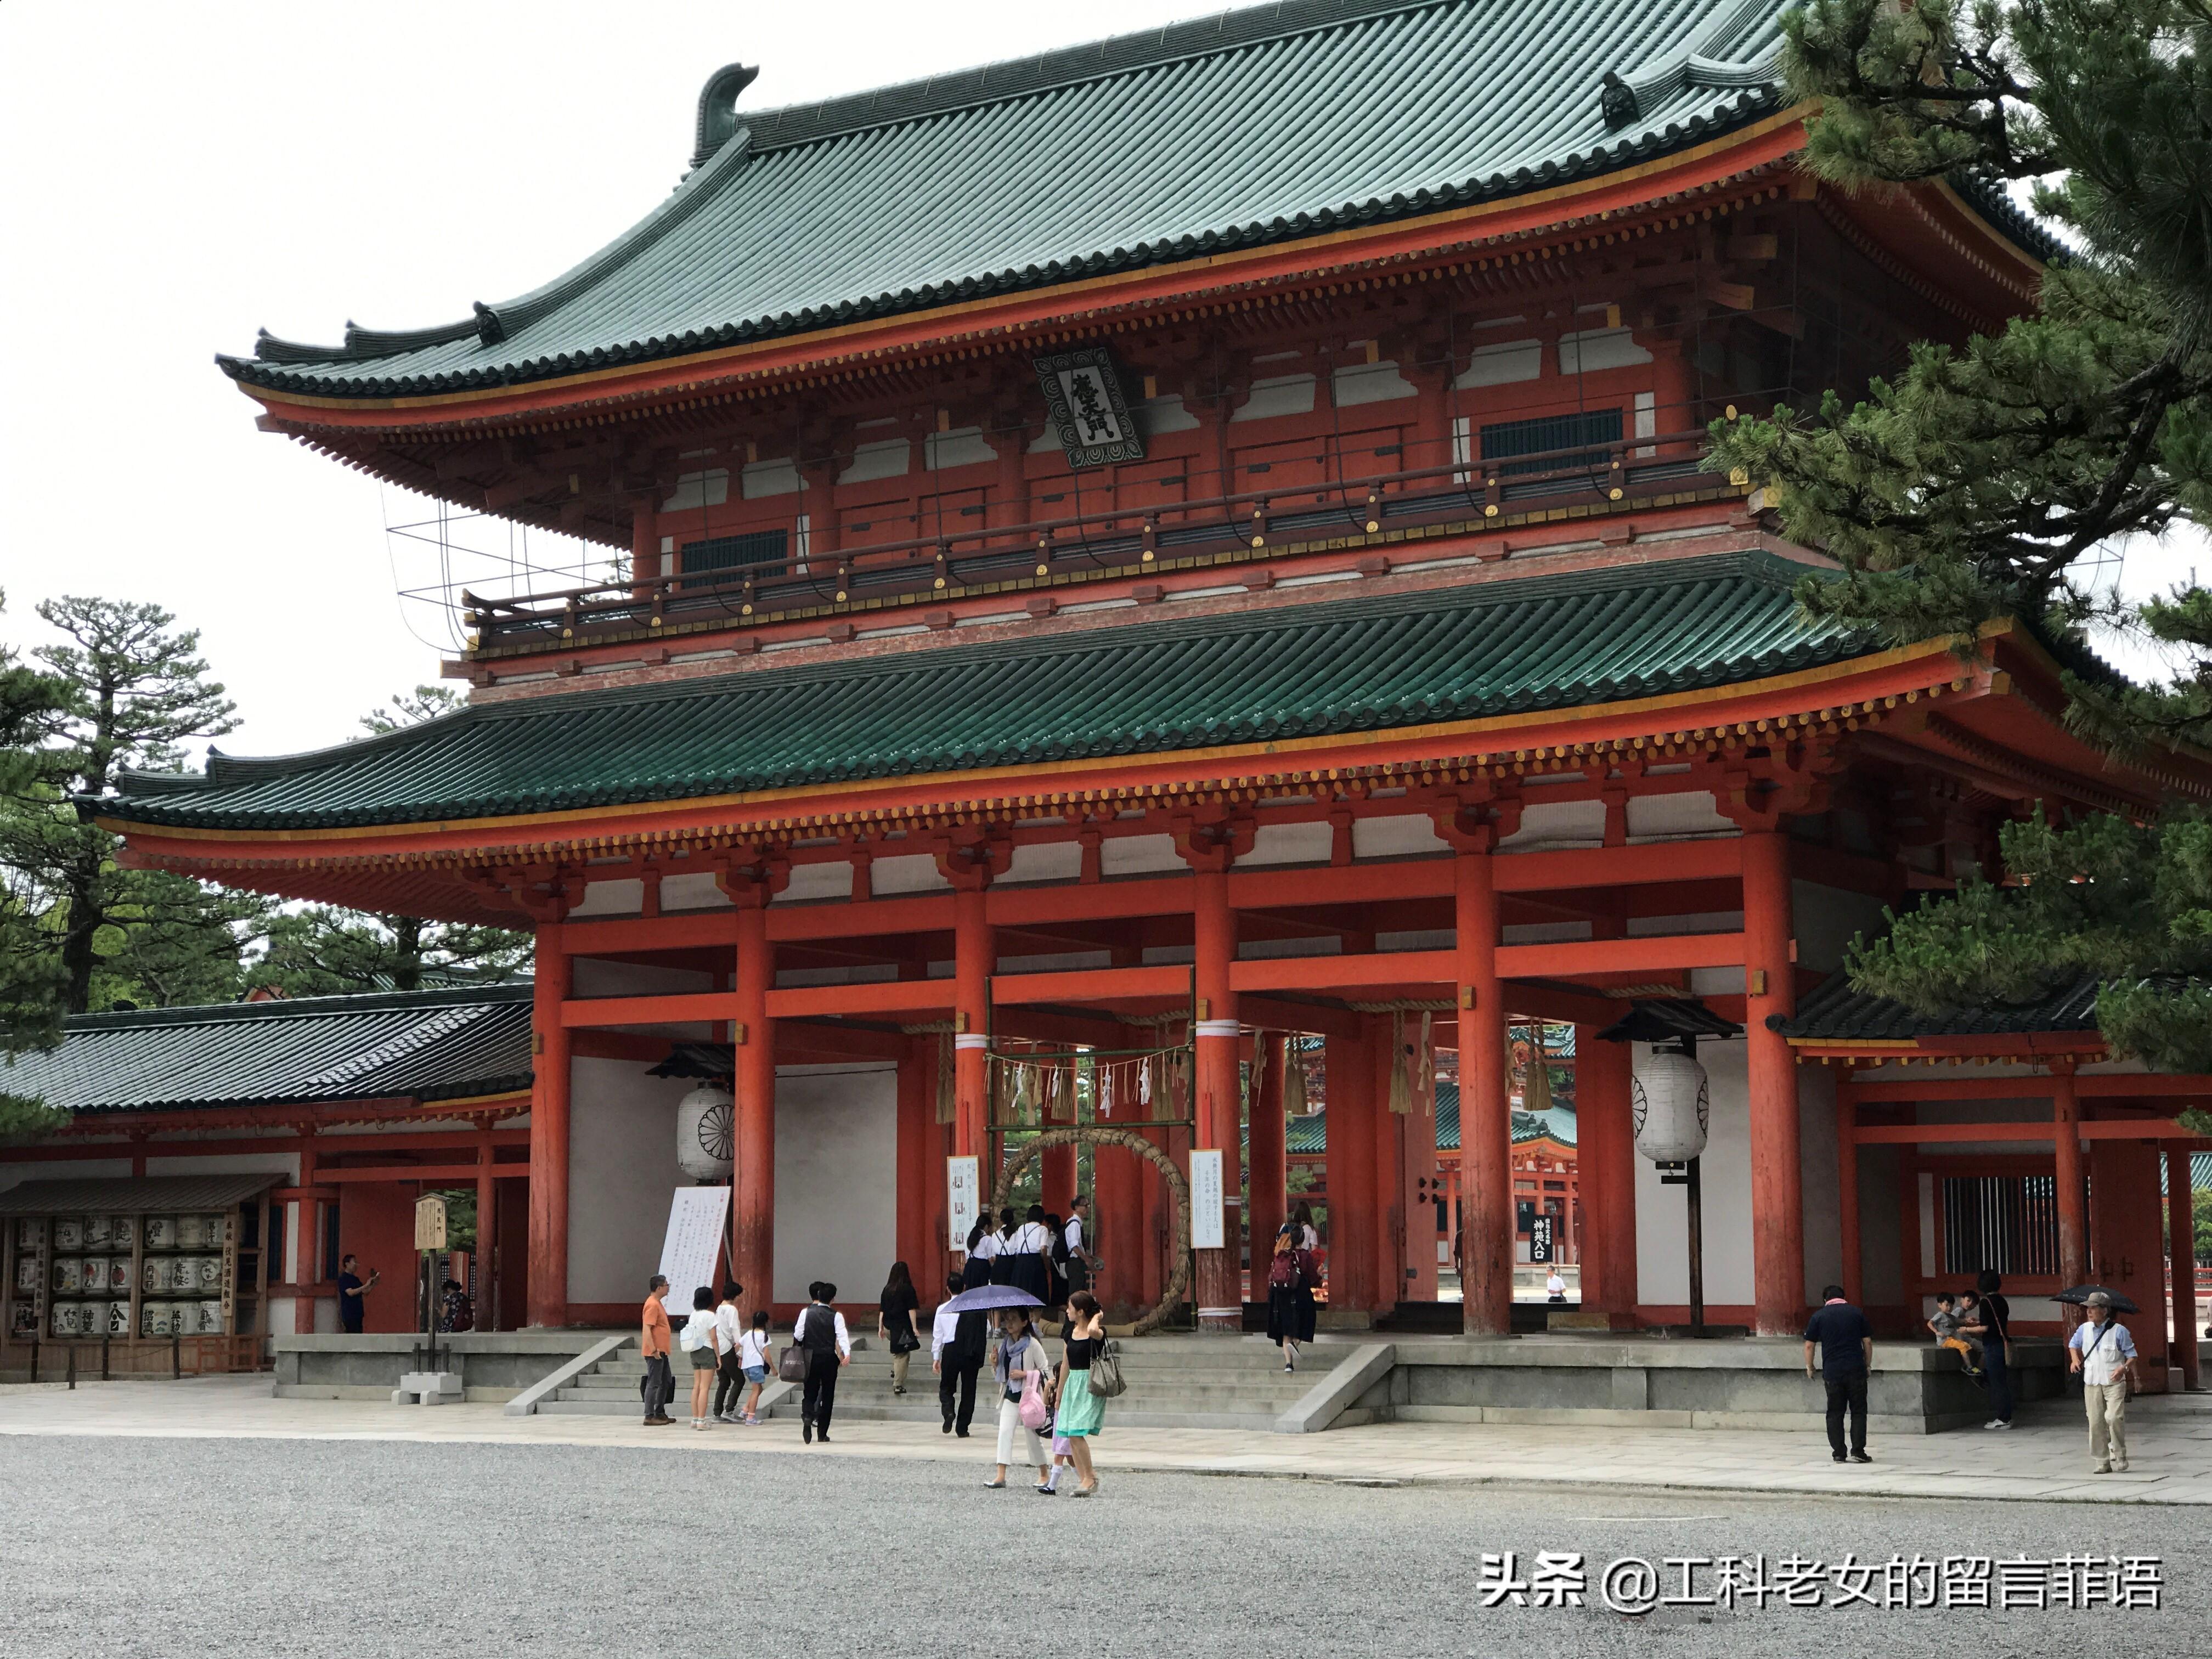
pixel 1605 1176
pixel 974 956
pixel 487 1230
pixel 1778 1206
pixel 1847 1191
pixel 1267 1153
pixel 1349 1147
pixel 2129 1242
pixel 1220 1290
pixel 1056 1165
pixel 549 1133
pixel 644 541
pixel 919 1244
pixel 1485 1121
pixel 752 1188
pixel 2181 1255
pixel 2073 1192
pixel 1386 1203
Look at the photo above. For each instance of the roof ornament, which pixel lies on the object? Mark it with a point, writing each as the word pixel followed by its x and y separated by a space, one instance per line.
pixel 718 109
pixel 490 329
pixel 1616 101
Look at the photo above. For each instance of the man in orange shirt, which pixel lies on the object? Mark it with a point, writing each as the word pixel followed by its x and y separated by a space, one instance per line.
pixel 658 1384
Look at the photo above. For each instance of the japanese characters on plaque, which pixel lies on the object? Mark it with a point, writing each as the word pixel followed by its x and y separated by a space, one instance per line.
pixel 1083 393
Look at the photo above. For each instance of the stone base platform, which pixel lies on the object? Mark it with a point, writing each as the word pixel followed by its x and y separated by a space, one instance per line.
pixel 493 1366
pixel 1657 1381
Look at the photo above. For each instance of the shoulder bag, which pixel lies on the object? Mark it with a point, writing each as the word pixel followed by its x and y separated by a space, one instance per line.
pixel 1106 1380
pixel 790 1365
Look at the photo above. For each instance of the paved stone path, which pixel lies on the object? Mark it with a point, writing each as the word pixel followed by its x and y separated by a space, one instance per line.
pixel 2043 1458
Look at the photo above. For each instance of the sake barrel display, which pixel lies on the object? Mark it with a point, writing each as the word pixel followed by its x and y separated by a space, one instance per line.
pixel 125 1232
pixel 27 1275
pixel 92 1274
pixel 99 1231
pixel 69 1275
pixel 69 1233
pixel 67 1320
pixel 160 1233
pixel 156 1319
pixel 211 1318
pixel 154 1275
pixel 209 1276
pixel 118 1274
pixel 192 1231
pixel 27 1235
pixel 118 1319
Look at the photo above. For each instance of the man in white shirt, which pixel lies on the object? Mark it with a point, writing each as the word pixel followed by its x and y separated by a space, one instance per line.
pixel 959 1344
pixel 1555 1286
pixel 1081 1265
pixel 730 1381
pixel 2103 1354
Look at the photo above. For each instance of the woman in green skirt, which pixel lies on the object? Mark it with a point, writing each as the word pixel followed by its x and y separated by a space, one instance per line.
pixel 1081 1414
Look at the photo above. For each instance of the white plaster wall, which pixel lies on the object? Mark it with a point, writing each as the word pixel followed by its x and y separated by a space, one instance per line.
pixel 1503 364
pixel 813 883
pixel 622 1174
pixel 1687 813
pixel 1370 383
pixel 1289 843
pixel 1661 1212
pixel 1557 823
pixel 1411 834
pixel 286 1164
pixel 1130 855
pixel 908 873
pixel 695 890
pixel 836 1178
pixel 612 898
pixel 1045 860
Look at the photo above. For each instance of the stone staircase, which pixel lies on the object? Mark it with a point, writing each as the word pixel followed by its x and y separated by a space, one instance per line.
pixel 1175 1382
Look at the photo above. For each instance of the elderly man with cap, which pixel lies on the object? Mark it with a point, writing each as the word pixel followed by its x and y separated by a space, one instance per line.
pixel 2104 1355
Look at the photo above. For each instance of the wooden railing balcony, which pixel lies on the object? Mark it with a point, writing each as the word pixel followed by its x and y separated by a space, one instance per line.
pixel 1128 540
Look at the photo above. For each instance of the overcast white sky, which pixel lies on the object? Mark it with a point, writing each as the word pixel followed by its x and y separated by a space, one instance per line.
pixel 173 177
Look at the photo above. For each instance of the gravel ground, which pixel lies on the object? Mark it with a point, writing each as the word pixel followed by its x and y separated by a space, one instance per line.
pixel 220 1547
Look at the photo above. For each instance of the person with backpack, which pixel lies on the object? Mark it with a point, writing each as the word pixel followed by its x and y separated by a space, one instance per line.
pixel 1022 1369
pixel 1081 1414
pixel 820 1334
pixel 1290 1293
pixel 701 1342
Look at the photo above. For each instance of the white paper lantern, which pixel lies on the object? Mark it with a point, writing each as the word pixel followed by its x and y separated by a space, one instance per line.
pixel 1669 1105
pixel 706 1132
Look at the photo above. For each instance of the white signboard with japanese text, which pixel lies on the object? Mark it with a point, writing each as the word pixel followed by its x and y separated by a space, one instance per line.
pixel 697 1217
pixel 962 1199
pixel 1207 1228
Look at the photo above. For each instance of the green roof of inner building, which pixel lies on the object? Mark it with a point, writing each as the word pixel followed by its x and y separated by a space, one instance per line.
pixel 1314 669
pixel 422 1045
pixel 1833 1013
pixel 1256 126
pixel 1309 1135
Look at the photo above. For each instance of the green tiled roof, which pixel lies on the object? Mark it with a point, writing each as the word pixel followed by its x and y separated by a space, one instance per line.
pixel 1833 1013
pixel 1233 131
pixel 1314 669
pixel 426 1045
pixel 1309 1135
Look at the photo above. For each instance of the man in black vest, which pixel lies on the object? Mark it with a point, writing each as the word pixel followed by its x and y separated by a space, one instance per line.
pixel 959 1344
pixel 821 1333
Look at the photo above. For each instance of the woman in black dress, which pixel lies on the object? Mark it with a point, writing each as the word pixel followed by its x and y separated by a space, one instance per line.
pixel 895 1322
pixel 1290 1293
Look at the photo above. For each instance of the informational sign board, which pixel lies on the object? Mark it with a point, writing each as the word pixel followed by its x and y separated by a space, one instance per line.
pixel 1524 1214
pixel 1207 1231
pixel 430 1223
pixel 1540 1238
pixel 697 1217
pixel 962 1199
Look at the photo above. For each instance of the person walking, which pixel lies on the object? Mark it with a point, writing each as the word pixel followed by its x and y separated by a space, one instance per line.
pixel 959 1342
pixel 1309 1235
pixel 821 1332
pixel 895 1322
pixel 1024 1256
pixel 1055 1261
pixel 1002 1264
pixel 1290 1294
pixel 982 1253
pixel 730 1372
pixel 701 1342
pixel 1082 1266
pixel 1845 1341
pixel 1555 1286
pixel 1021 1364
pixel 658 1386
pixel 752 1364
pixel 2102 1353
pixel 1080 1415
pixel 1992 1323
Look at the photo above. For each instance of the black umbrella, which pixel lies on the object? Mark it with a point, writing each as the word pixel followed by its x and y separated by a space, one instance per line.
pixel 2081 1293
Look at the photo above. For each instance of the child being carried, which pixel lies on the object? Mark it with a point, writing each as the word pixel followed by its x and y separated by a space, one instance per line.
pixel 1951 1312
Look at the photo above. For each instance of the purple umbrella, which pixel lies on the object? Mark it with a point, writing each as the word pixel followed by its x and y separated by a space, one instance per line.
pixel 992 1296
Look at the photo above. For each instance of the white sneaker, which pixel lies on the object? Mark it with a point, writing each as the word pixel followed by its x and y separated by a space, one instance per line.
pixel 1993 1423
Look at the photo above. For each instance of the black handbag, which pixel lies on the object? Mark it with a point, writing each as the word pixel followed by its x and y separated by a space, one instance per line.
pixel 905 1342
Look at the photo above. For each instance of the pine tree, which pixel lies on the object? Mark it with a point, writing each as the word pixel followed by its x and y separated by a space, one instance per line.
pixel 137 691
pixel 1978 483
pixel 32 708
